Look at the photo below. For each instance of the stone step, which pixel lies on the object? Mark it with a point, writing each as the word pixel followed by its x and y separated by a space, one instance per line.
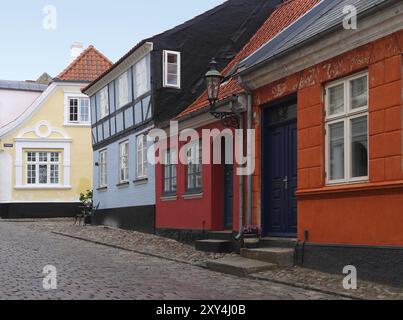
pixel 278 242
pixel 239 266
pixel 212 245
pixel 283 257
pixel 220 235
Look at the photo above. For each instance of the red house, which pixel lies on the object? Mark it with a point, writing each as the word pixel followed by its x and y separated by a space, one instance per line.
pixel 327 106
pixel 213 197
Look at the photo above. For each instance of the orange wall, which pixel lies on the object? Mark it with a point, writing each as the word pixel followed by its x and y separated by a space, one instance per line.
pixel 370 213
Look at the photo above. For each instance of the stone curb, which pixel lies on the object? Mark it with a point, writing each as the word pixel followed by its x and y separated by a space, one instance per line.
pixel 252 277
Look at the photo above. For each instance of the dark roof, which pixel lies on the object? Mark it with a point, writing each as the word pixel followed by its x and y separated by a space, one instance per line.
pixel 220 32
pixel 325 17
pixel 281 18
pixel 22 85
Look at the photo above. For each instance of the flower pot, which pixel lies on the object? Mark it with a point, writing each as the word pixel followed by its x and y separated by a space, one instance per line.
pixel 251 241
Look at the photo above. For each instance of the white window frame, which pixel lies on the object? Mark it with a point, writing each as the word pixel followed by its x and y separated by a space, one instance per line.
pixel 103 168
pixel 104 102
pixel 123 90
pixel 141 157
pixel 140 72
pixel 170 162
pixel 48 163
pixel 166 53
pixel 124 161
pixel 346 116
pixel 195 159
pixel 80 114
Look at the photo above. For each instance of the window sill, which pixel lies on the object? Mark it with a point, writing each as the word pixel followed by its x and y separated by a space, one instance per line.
pixel 140 181
pixel 42 187
pixel 102 189
pixel 195 195
pixel 169 198
pixel 351 187
pixel 123 184
pixel 82 125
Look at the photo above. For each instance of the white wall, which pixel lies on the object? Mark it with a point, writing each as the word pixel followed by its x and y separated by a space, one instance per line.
pixel 6 163
pixel 13 103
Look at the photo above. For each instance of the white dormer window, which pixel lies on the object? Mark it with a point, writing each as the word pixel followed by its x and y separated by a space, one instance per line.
pixel 103 103
pixel 172 69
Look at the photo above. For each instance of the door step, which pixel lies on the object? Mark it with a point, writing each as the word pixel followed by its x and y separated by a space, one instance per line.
pixel 214 245
pixel 283 257
pixel 278 242
pixel 239 266
pixel 220 235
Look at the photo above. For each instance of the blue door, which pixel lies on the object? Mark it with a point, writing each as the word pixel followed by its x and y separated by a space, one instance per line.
pixel 228 196
pixel 279 168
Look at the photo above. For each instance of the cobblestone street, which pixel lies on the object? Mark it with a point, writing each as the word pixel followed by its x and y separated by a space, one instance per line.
pixel 91 271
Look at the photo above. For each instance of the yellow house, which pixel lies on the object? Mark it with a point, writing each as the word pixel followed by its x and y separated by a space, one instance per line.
pixel 46 151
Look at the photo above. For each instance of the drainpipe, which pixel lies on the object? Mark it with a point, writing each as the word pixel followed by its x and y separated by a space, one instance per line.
pixel 250 158
pixel 241 209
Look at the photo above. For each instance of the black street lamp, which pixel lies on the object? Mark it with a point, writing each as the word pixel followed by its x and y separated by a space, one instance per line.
pixel 213 82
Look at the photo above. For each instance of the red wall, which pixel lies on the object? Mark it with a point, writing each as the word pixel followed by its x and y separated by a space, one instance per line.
pixel 196 214
pixel 368 213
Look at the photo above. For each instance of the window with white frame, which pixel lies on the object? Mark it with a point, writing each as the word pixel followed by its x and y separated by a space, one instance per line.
pixel 124 162
pixel 172 69
pixel 141 165
pixel 103 103
pixel 141 77
pixel 79 110
pixel 347 130
pixel 123 90
pixel 170 172
pixel 194 166
pixel 103 169
pixel 43 168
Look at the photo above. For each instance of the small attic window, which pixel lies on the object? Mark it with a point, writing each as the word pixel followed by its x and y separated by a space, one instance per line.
pixel 172 68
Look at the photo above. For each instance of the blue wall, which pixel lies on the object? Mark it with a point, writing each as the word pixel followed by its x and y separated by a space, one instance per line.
pixel 135 194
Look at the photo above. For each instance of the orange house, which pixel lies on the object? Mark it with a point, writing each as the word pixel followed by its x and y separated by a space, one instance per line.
pixel 327 109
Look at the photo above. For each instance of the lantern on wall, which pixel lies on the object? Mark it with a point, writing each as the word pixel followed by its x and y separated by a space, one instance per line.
pixel 213 81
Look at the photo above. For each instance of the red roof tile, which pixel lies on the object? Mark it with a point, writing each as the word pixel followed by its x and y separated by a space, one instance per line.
pixel 86 67
pixel 282 17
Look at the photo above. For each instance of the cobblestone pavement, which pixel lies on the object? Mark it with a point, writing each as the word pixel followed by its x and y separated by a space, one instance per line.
pixel 131 240
pixel 91 271
pixel 170 249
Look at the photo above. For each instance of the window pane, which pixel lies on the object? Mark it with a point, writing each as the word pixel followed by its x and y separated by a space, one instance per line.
pixel 141 77
pixel 359 147
pixel 43 156
pixel 123 86
pixel 43 174
pixel 336 99
pixel 336 150
pixel 85 110
pixel 31 174
pixel 73 110
pixel 172 58
pixel 172 79
pixel 54 174
pixel 359 92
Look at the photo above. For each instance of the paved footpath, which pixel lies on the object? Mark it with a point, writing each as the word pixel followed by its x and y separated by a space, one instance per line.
pixel 91 271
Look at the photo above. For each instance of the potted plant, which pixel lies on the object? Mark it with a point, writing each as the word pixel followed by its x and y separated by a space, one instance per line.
pixel 251 236
pixel 86 199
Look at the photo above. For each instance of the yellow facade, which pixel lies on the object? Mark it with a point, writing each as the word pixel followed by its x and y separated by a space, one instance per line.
pixel 47 131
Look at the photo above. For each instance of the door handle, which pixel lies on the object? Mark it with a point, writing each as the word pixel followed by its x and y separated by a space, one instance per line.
pixel 285 183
